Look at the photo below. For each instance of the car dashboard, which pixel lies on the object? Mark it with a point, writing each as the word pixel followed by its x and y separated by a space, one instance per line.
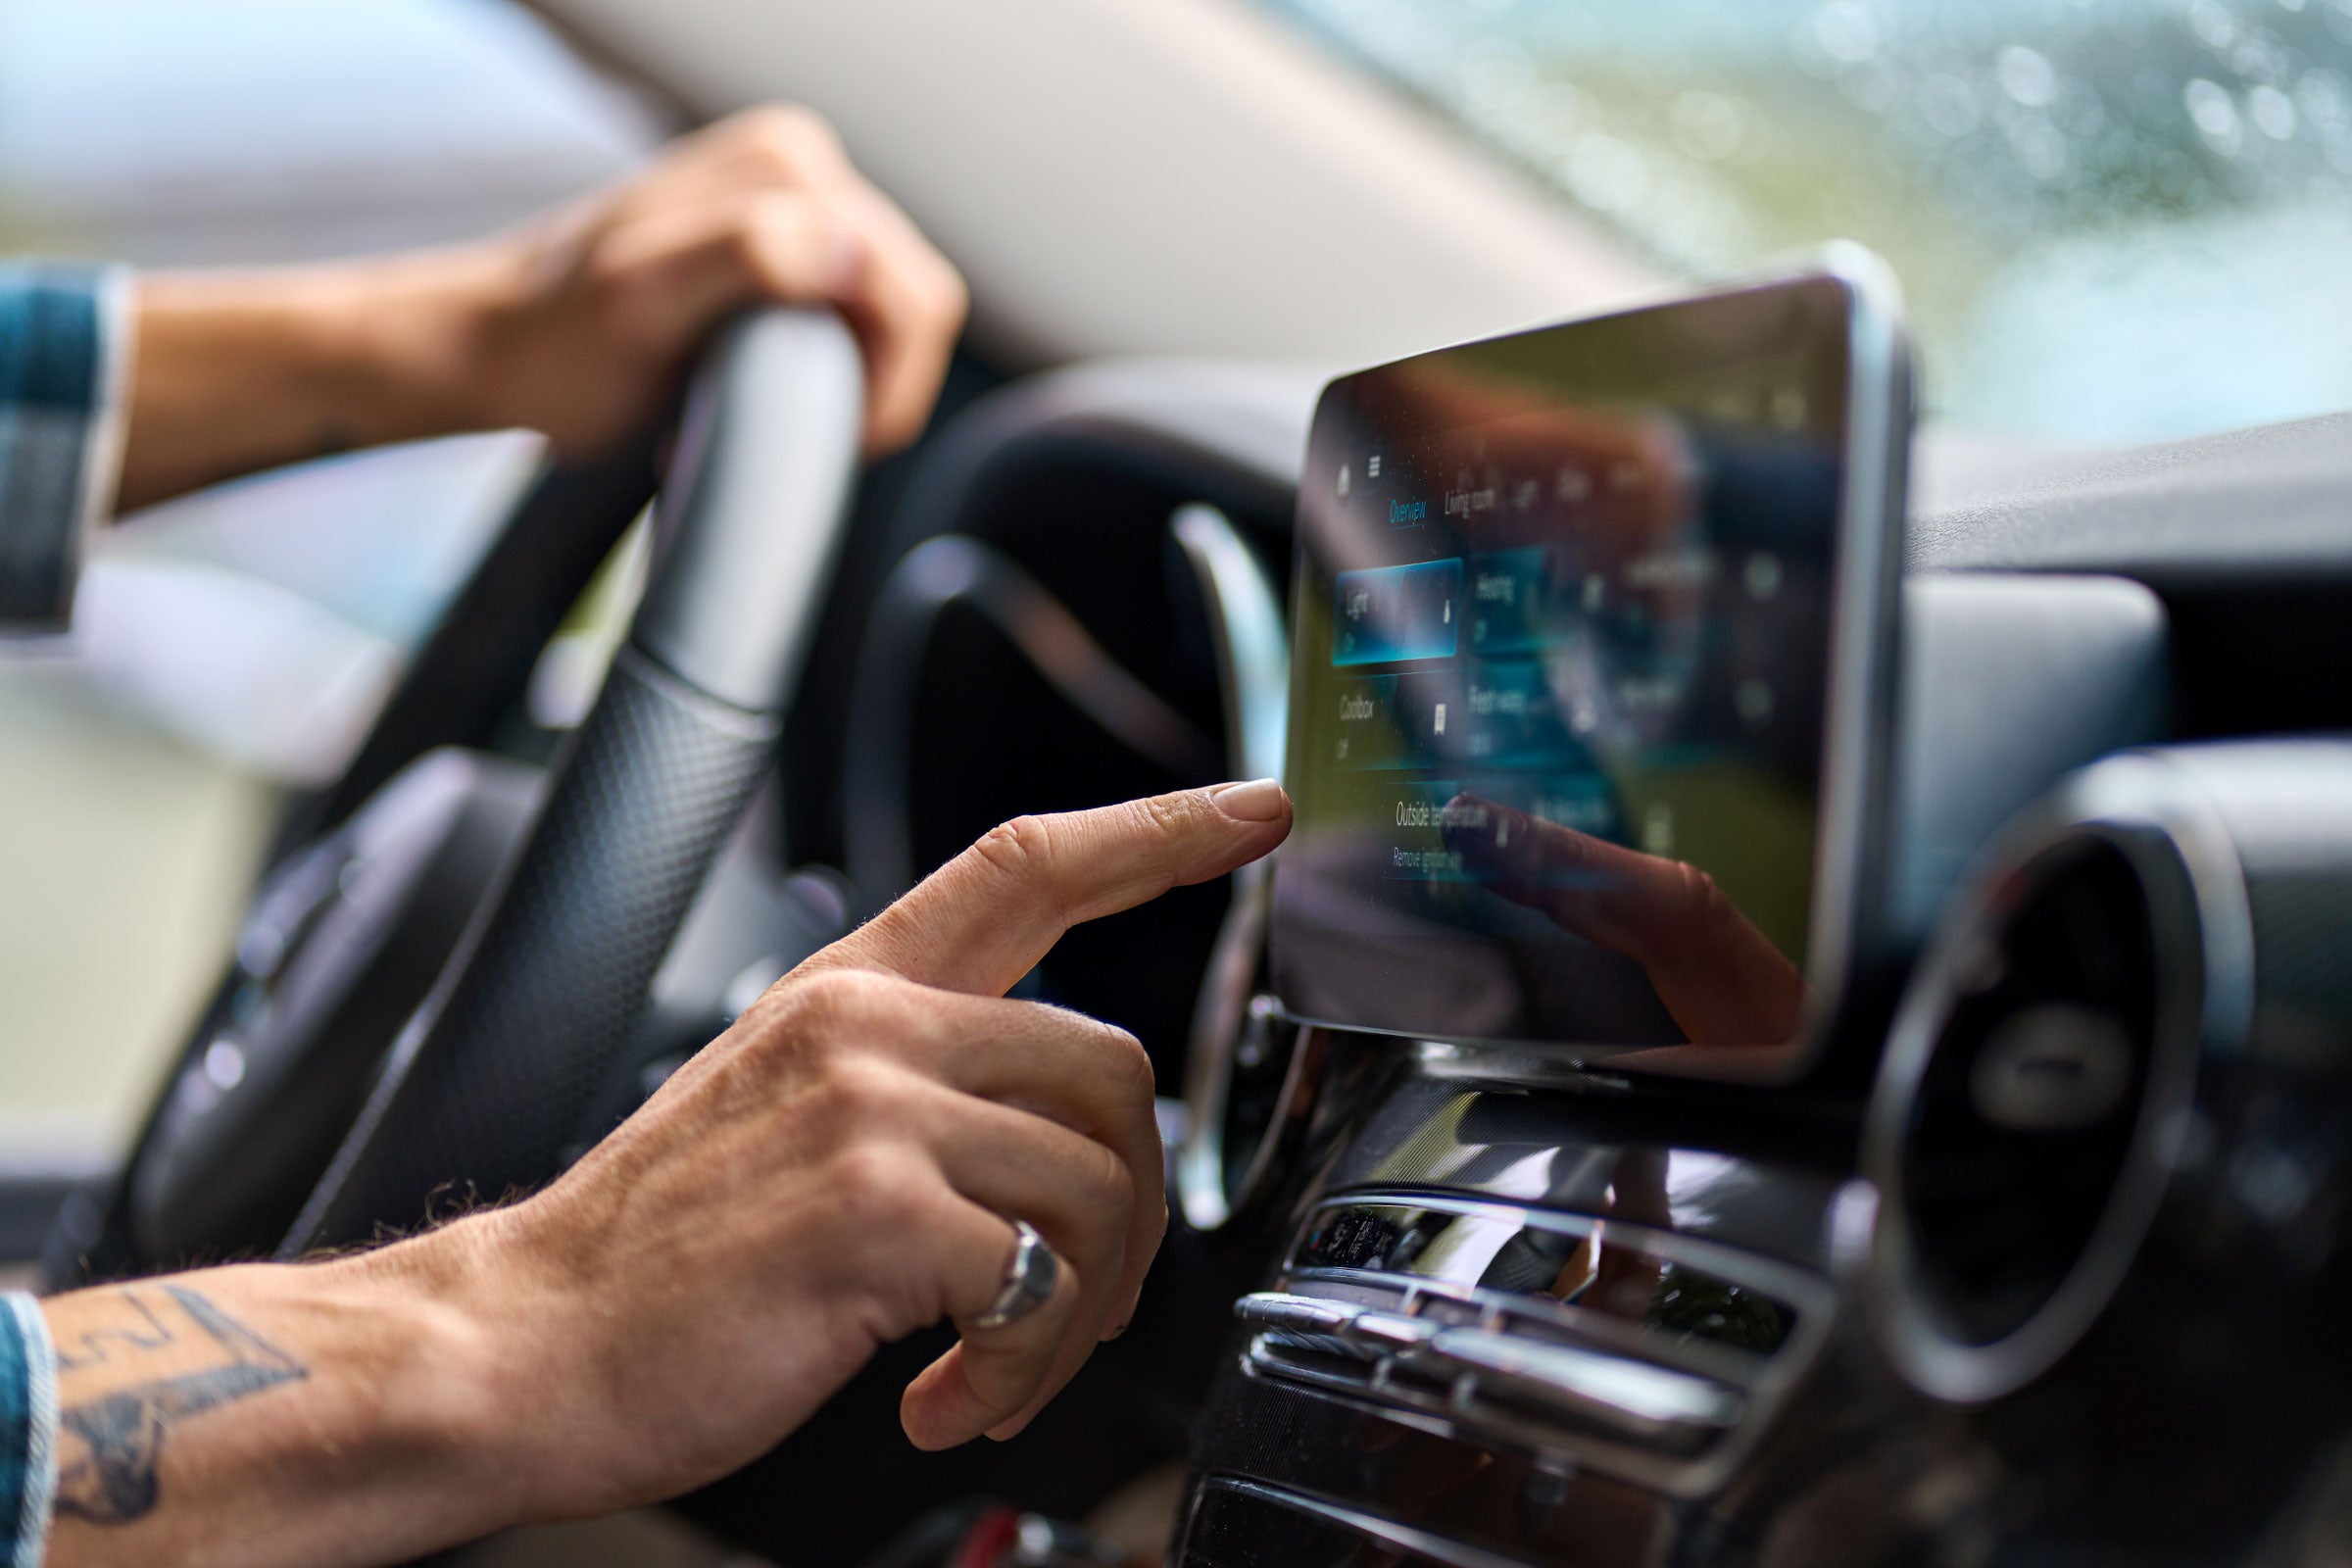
pixel 2007 1225
pixel 1478 1303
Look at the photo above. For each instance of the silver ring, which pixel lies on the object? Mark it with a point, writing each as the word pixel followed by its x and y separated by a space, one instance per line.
pixel 1028 1280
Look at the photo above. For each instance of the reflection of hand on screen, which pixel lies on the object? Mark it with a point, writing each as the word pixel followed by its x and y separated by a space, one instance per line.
pixel 1635 474
pixel 1721 978
pixel 1640 462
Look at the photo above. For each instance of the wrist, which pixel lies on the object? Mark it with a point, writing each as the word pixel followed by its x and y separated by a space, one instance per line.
pixel 408 341
pixel 239 370
pixel 339 1411
pixel 456 1389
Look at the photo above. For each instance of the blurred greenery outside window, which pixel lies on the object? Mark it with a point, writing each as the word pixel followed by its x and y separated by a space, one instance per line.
pixel 2114 219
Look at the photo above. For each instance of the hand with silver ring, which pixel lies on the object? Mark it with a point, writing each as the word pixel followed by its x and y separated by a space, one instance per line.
pixel 838 1169
pixel 1028 1280
pixel 847 1165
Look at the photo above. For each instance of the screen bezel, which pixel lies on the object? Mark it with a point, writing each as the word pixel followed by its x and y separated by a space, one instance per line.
pixel 1845 915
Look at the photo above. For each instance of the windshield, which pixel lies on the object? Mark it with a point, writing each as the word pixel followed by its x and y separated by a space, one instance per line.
pixel 2114 219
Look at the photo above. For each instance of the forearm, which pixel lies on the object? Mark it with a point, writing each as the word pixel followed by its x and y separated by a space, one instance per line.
pixel 239 370
pixel 577 325
pixel 338 1413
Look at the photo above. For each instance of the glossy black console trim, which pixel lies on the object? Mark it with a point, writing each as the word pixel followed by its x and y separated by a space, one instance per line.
pixel 1806 1292
pixel 1370 1527
pixel 1762 1379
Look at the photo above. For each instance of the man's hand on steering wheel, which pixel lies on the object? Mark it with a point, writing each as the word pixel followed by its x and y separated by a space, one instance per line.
pixel 846 1165
pixel 593 310
pixel 578 324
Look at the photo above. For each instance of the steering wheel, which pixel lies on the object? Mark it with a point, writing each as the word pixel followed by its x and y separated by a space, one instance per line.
pixel 440 1000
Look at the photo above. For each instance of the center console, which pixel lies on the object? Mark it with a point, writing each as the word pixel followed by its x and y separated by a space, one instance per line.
pixel 1594 674
pixel 1732 1066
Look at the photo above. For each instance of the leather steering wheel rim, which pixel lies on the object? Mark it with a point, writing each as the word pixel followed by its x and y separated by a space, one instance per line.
pixel 499 1077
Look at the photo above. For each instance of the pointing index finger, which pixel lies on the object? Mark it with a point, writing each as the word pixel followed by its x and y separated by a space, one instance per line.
pixel 981 921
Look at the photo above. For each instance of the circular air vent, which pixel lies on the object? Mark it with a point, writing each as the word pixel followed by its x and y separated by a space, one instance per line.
pixel 2039 1076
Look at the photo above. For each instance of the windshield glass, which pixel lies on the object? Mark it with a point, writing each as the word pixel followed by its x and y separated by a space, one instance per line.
pixel 2114 219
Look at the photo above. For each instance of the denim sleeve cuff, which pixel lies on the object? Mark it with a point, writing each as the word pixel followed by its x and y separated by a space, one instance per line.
pixel 64 358
pixel 28 1432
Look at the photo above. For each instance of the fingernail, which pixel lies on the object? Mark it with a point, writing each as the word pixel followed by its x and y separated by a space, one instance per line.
pixel 1258 800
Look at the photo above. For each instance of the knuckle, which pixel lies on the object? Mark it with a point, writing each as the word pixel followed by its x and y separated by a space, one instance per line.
pixel 855 1093
pixel 1108 1181
pixel 946 298
pixel 832 997
pixel 1167 815
pixel 792 1022
pixel 791 137
pixel 856 1029
pixel 1132 1072
pixel 771 231
pixel 1019 851
pixel 787 212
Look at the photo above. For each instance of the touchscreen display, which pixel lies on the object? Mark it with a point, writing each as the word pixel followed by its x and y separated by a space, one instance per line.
pixel 1561 661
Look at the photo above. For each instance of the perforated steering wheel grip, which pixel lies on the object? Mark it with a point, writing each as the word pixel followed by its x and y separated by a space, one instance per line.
pixel 496 1080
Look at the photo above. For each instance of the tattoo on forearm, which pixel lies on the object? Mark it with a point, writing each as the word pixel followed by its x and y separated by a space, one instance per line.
pixel 164 1353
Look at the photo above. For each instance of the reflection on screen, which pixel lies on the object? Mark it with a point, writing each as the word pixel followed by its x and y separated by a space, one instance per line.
pixel 1562 652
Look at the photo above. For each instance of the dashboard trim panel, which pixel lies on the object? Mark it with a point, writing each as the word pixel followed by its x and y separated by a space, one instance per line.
pixel 1605 1382
pixel 1370 1527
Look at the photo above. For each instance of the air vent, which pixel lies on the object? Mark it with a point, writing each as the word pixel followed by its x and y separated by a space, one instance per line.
pixel 2041 1074
pixel 2033 1097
